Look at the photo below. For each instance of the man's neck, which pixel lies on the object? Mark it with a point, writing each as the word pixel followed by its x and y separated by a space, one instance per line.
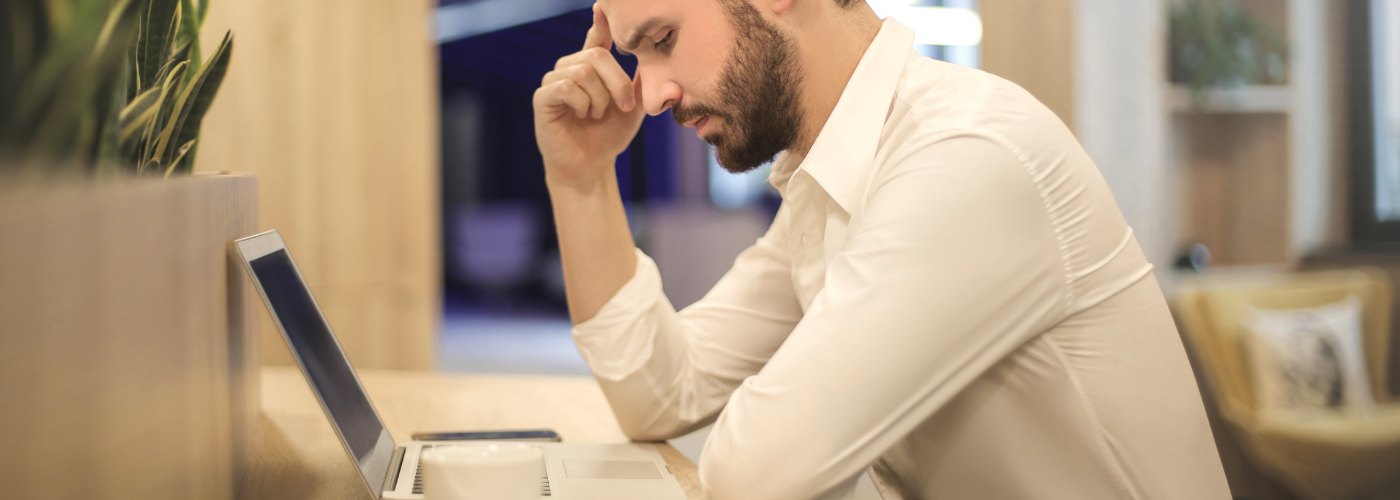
pixel 832 39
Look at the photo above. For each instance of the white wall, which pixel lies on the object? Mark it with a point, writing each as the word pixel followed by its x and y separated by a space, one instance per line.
pixel 1120 118
pixel 1309 127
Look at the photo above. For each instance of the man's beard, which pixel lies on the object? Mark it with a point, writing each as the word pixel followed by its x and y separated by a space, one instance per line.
pixel 757 94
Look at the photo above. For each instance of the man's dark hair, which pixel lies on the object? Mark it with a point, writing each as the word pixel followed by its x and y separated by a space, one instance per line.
pixel 847 3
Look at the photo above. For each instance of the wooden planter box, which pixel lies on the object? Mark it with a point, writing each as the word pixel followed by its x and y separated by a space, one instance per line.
pixel 128 354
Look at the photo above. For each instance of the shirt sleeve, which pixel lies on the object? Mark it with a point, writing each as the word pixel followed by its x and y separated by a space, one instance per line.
pixel 666 373
pixel 952 265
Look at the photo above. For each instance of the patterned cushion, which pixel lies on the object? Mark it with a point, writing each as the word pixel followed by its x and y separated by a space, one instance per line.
pixel 1308 358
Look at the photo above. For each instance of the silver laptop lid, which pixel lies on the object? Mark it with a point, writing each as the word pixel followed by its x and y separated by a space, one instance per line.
pixel 318 352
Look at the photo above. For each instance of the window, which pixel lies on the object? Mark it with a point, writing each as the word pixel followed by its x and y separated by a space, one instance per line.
pixel 1386 78
pixel 1374 47
pixel 738 191
pixel 966 52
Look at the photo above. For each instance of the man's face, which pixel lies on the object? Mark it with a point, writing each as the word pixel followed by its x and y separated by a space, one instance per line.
pixel 721 68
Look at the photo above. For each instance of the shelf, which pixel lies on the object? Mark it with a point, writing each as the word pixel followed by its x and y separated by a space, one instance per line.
pixel 1250 99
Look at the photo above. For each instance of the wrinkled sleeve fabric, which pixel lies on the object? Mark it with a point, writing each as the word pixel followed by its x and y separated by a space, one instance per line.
pixel 952 265
pixel 666 373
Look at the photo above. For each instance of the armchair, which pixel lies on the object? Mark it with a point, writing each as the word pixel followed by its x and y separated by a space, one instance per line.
pixel 1319 455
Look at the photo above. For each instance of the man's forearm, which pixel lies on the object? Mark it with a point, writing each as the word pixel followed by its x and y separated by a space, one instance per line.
pixel 595 243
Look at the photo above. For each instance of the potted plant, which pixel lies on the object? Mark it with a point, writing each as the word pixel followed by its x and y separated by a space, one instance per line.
pixel 127 345
pixel 106 84
pixel 1218 45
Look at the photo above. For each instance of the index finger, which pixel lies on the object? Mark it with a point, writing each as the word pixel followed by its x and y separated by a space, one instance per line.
pixel 599 35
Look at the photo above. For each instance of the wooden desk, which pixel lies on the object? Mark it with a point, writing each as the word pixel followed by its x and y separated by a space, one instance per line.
pixel 296 454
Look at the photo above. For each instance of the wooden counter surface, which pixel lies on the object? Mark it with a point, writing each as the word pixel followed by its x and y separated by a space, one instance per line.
pixel 296 454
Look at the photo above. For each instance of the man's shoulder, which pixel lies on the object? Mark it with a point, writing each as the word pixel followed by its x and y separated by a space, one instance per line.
pixel 936 100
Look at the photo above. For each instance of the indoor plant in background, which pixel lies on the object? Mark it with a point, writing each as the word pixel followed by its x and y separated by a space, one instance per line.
pixel 126 368
pixel 1219 45
pixel 105 84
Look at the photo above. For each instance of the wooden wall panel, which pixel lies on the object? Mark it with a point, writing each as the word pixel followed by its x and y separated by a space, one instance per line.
pixel 124 362
pixel 1235 185
pixel 1031 43
pixel 333 104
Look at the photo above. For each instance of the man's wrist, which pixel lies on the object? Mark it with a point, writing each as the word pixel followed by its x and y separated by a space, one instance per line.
pixel 599 182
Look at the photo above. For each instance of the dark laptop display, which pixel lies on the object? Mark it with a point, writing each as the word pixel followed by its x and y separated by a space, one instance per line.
pixel 319 352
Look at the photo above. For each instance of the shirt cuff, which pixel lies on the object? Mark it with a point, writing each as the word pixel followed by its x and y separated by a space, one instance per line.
pixel 618 340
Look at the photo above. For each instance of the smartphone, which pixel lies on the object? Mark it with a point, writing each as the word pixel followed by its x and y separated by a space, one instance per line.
pixel 530 435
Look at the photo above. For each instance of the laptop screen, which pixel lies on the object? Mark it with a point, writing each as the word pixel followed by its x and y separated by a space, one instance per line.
pixel 325 363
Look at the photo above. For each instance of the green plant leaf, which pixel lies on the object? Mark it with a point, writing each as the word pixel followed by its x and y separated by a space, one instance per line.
pixel 182 54
pixel 189 30
pixel 138 112
pixel 153 142
pixel 133 64
pixel 151 164
pixel 112 103
pixel 111 48
pixel 189 22
pixel 24 34
pixel 84 138
pixel 173 117
pixel 199 95
pixel 110 29
pixel 175 60
pixel 180 156
pixel 196 58
pixel 55 116
pixel 172 34
pixel 157 36
pixel 189 34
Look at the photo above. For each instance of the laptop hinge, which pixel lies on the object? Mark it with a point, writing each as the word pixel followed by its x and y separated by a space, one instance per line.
pixel 392 478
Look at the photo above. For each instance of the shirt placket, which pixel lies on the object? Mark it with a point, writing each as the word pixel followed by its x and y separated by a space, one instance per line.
pixel 806 232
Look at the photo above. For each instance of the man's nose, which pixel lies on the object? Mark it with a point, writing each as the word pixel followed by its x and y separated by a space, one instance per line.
pixel 659 93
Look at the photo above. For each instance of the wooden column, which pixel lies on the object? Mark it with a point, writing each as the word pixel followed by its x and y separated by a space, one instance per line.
pixel 333 104
pixel 1031 43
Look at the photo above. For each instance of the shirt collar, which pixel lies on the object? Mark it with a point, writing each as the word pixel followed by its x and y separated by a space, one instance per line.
pixel 848 140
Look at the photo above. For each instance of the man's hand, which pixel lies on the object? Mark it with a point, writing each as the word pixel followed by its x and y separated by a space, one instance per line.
pixel 586 111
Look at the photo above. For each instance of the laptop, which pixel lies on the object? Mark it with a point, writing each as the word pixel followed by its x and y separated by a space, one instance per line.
pixel 572 471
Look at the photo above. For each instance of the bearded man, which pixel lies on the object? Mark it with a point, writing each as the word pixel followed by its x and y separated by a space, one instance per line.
pixel 948 296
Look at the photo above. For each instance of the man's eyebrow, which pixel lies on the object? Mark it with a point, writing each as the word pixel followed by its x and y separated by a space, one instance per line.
pixel 635 38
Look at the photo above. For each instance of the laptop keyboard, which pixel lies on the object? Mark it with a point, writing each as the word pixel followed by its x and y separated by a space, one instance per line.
pixel 418 473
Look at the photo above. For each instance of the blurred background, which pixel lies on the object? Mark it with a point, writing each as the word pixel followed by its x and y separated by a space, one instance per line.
pixel 394 147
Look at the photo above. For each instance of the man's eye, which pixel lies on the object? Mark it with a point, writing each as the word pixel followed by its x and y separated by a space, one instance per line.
pixel 664 41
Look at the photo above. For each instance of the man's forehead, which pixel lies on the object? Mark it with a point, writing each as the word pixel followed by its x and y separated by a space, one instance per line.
pixel 607 6
pixel 625 17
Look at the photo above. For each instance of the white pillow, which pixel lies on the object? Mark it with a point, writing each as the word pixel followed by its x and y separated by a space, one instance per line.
pixel 1308 358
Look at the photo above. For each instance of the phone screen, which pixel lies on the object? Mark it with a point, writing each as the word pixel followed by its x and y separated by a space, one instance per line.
pixel 533 435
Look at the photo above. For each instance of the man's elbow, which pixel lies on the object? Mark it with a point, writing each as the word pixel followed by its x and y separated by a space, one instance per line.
pixel 646 433
pixel 726 481
pixel 655 427
pixel 755 480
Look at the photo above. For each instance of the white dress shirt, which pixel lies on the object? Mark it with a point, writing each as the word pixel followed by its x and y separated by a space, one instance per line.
pixel 948 297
